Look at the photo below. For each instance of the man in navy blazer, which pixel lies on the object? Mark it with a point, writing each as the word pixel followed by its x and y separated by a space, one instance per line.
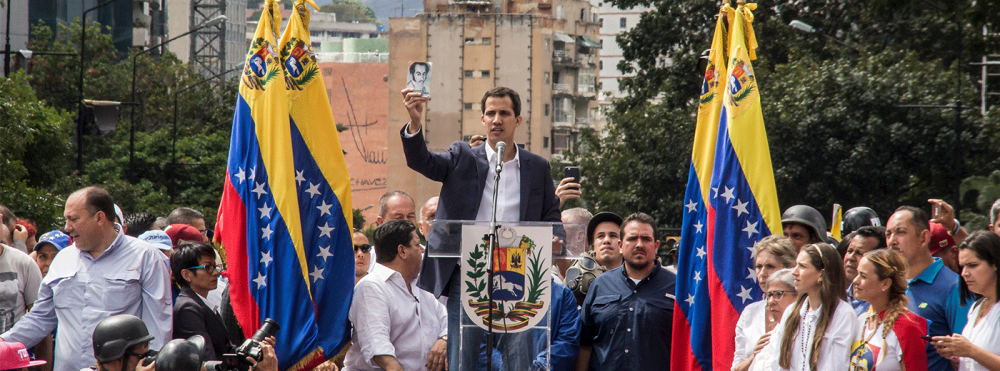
pixel 466 176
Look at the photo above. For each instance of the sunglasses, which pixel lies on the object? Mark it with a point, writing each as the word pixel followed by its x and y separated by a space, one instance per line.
pixel 364 248
pixel 210 267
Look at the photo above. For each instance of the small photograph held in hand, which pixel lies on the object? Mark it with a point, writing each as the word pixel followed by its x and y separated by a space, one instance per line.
pixel 418 77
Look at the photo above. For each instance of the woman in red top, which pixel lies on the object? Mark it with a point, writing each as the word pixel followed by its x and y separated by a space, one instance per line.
pixel 889 337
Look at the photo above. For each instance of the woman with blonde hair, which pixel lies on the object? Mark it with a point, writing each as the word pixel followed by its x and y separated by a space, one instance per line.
pixel 773 253
pixel 889 335
pixel 978 346
pixel 816 331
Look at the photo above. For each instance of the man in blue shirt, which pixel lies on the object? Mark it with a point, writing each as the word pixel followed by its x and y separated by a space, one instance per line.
pixel 933 292
pixel 626 319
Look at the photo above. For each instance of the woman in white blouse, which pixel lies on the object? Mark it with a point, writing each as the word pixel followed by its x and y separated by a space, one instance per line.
pixel 977 347
pixel 817 331
pixel 774 252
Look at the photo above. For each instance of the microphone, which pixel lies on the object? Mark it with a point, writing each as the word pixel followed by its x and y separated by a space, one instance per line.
pixel 501 148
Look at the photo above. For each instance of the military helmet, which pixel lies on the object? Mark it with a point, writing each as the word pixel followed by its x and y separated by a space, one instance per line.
pixel 115 334
pixel 858 217
pixel 808 216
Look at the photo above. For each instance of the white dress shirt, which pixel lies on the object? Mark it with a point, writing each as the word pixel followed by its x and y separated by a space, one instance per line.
pixel 983 335
pixel 750 327
pixel 388 320
pixel 130 277
pixel 509 196
pixel 835 352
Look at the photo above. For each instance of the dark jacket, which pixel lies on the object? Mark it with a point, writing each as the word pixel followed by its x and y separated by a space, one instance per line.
pixel 193 317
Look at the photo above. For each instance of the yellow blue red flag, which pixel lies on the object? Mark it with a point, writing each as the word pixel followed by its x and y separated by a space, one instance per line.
pixel 692 344
pixel 743 206
pixel 284 217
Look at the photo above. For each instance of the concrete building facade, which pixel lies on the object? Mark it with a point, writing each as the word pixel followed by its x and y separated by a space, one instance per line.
pixel 613 21
pixel 545 50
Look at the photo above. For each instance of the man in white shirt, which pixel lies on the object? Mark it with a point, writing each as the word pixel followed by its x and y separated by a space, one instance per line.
pixel 104 273
pixel 397 325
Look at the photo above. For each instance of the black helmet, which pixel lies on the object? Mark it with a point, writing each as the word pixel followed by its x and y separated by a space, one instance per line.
pixel 808 216
pixel 181 355
pixel 115 334
pixel 858 217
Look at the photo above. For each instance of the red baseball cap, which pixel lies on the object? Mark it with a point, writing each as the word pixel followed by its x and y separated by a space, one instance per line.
pixel 183 232
pixel 13 356
pixel 940 238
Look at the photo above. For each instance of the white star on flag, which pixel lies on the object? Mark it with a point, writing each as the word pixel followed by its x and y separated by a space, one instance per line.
pixel 701 252
pixel 313 190
pixel 266 232
pixel 324 208
pixel 697 227
pixel 259 190
pixel 317 274
pixel 690 299
pixel 751 228
pixel 752 275
pixel 728 194
pixel 753 252
pixel 298 177
pixel 265 212
pixel 265 258
pixel 741 208
pixel 691 206
pixel 715 192
pixel 261 280
pixel 253 173
pixel 325 230
pixel 697 277
pixel 745 294
pixel 324 252
pixel 240 175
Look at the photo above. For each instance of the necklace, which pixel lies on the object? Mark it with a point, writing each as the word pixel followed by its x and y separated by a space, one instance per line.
pixel 808 328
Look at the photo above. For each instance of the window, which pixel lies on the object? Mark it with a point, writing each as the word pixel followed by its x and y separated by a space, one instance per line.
pixel 546 109
pixel 555 77
pixel 486 41
pixel 621 22
pixel 468 106
pixel 583 15
pixel 545 142
pixel 471 41
pixel 485 73
pixel 372 35
pixel 601 63
pixel 602 43
pixel 468 73
pixel 547 77
pixel 601 22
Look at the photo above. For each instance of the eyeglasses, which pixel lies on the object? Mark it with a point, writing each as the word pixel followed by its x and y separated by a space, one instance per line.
pixel 364 248
pixel 778 294
pixel 210 267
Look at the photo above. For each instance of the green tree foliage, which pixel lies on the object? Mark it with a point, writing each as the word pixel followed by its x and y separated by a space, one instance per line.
pixel 350 11
pixel 43 144
pixel 31 132
pixel 837 131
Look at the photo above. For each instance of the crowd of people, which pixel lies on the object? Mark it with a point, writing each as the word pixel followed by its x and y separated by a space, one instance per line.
pixel 915 293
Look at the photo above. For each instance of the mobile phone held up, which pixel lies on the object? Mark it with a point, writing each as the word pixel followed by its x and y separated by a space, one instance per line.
pixel 572 172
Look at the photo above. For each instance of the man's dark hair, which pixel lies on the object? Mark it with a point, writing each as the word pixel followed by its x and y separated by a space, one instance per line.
pixel 185 256
pixel 389 236
pixel 500 92
pixel 643 218
pixel 137 223
pixel 918 217
pixel 184 215
pixel 878 233
pixel 414 65
pixel 383 202
pixel 98 199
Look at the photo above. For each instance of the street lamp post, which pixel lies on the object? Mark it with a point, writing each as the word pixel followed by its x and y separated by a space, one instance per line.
pixel 80 107
pixel 131 138
pixel 805 27
pixel 173 146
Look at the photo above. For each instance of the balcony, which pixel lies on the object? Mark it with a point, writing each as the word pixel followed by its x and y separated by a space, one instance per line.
pixel 563 57
pixel 586 91
pixel 560 88
pixel 582 122
pixel 562 119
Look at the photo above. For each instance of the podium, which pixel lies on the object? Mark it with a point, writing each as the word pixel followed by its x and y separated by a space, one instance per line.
pixel 523 273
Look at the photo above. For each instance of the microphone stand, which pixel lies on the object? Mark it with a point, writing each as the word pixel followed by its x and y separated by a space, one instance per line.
pixel 489 271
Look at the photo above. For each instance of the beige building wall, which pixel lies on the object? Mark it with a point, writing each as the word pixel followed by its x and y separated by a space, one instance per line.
pixel 178 22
